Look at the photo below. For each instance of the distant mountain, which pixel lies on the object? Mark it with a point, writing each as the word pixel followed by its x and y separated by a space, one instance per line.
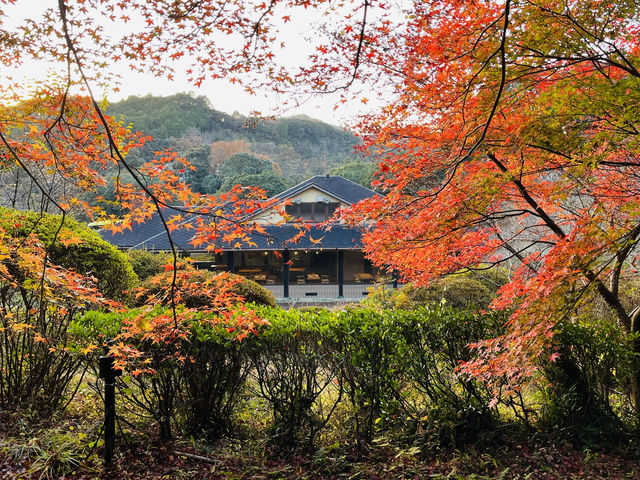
pixel 297 147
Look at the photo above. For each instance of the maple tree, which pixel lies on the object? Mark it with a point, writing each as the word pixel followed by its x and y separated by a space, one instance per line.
pixel 513 141
pixel 56 130
pixel 38 302
pixel 57 133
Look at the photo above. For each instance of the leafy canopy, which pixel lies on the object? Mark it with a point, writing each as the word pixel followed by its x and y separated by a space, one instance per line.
pixel 513 141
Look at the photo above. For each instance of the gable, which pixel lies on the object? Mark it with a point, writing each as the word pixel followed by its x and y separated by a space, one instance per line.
pixel 309 195
pixel 321 188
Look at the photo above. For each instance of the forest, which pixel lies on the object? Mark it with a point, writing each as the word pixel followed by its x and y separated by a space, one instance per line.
pixel 292 149
pixel 225 150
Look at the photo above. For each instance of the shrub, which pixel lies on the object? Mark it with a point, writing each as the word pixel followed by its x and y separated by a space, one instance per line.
pixel 182 354
pixel 96 326
pixel 76 248
pixel 463 292
pixel 455 409
pixel 184 370
pixel 389 363
pixel 147 264
pixel 292 357
pixel 195 288
pixel 37 305
pixel 35 363
pixel 460 292
pixel 593 365
pixel 153 390
pixel 253 292
pixel 367 355
pixel 213 378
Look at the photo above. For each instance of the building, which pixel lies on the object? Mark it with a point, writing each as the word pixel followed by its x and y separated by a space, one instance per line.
pixel 327 263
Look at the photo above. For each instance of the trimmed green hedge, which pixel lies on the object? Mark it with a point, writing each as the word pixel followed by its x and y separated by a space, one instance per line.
pixel 594 360
pixel 293 357
pixel 378 362
pixel 384 373
pixel 305 363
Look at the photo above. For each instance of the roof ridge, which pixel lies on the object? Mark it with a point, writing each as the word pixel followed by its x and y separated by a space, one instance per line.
pixel 314 181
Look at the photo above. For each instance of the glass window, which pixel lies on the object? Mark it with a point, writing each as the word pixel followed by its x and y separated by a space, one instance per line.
pixel 311 211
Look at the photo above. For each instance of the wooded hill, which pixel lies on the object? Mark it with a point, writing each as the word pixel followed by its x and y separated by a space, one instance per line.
pixel 285 151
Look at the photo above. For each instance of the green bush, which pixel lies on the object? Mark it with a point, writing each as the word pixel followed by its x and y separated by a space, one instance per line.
pixel 367 354
pixel 154 393
pixel 213 378
pixel 147 264
pixel 96 326
pixel 390 364
pixel 458 292
pixel 196 378
pixel 435 341
pixel 39 356
pixel 253 292
pixel 292 357
pixel 464 291
pixel 36 368
pixel 387 372
pixel 76 247
pixel 591 373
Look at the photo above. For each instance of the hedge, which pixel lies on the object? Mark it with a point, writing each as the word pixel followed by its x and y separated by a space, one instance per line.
pixel 305 363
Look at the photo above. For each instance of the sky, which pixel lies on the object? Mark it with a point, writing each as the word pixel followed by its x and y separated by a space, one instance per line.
pixel 223 95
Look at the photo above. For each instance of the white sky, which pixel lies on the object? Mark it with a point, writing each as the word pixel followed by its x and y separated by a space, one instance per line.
pixel 223 95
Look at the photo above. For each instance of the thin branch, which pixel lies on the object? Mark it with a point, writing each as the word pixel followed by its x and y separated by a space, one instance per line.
pixel 71 47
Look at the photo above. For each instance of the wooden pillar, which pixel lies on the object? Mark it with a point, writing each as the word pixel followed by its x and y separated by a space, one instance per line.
pixel 340 273
pixel 285 272
pixel 230 266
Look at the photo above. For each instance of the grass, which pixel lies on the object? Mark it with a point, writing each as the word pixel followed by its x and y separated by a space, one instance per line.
pixel 64 445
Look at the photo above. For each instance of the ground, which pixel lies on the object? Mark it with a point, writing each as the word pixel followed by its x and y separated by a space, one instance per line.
pixel 67 446
pixel 522 462
pixel 239 460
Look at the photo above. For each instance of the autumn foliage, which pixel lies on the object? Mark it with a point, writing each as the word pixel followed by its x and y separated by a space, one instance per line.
pixel 39 300
pixel 512 142
pixel 57 134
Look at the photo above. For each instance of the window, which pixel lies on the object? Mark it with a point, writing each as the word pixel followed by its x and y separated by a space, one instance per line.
pixel 311 211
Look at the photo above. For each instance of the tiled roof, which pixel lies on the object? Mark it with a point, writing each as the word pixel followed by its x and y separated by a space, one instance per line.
pixel 335 185
pixel 152 236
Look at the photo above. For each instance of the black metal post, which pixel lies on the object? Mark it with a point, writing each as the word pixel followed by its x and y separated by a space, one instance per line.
pixel 108 373
pixel 109 420
pixel 340 273
pixel 285 272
